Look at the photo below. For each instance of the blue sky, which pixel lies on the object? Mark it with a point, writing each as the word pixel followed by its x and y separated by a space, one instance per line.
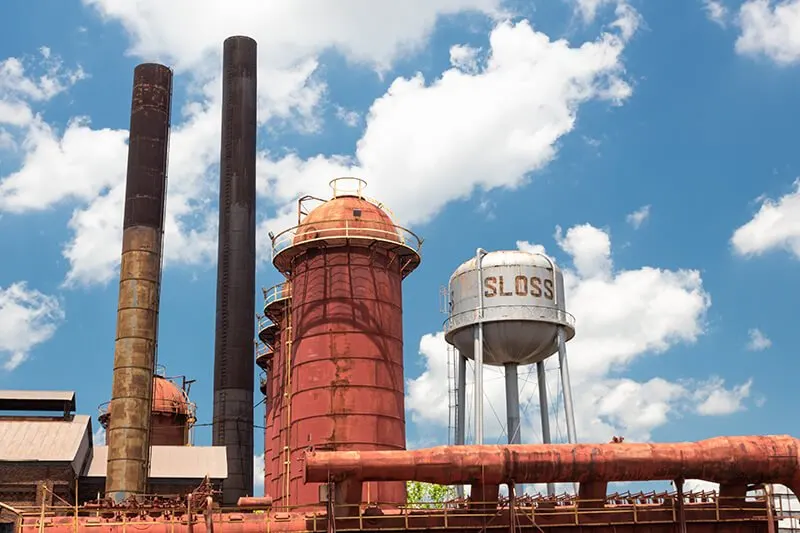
pixel 647 146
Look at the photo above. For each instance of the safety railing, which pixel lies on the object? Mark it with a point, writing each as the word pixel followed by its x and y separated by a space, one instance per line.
pixel 161 406
pixel 510 312
pixel 281 291
pixel 421 517
pixel 348 229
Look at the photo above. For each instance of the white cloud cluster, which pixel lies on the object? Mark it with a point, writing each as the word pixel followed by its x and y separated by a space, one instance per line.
pixel 716 11
pixel 622 316
pixel 27 318
pixel 637 218
pixel 775 226
pixel 757 342
pixel 486 122
pixel 770 29
pixel 258 474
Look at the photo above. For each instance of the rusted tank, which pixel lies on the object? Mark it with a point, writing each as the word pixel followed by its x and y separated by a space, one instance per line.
pixel 233 346
pixel 726 460
pixel 172 414
pixel 346 261
pixel 128 434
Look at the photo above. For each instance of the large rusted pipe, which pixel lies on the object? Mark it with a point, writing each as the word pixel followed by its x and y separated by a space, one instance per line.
pixel 128 433
pixel 234 369
pixel 769 459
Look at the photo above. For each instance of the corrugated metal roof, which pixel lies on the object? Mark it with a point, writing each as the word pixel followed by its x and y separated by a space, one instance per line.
pixel 26 440
pixel 36 400
pixel 173 462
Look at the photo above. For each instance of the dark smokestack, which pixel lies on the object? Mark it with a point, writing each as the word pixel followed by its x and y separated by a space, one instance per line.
pixel 236 269
pixel 128 434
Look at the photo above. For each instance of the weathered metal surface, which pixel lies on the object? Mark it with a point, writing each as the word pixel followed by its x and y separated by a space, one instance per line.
pixel 761 459
pixel 345 377
pixel 140 281
pixel 172 462
pixel 346 221
pixel 171 414
pixel 523 307
pixel 37 400
pixel 634 516
pixel 277 426
pixel 24 440
pixel 234 368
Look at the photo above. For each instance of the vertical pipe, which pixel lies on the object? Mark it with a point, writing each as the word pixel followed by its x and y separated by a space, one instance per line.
pixel 512 412
pixel 566 387
pixel 479 253
pixel 234 369
pixel 461 408
pixel 128 433
pixel 543 409
pixel 512 404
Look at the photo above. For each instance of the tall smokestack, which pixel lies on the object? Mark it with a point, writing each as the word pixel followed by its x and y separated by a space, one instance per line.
pixel 128 434
pixel 236 269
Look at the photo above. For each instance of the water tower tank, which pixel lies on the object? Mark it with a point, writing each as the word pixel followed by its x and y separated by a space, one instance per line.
pixel 523 307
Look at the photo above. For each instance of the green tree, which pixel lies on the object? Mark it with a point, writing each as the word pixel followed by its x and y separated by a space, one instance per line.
pixel 428 495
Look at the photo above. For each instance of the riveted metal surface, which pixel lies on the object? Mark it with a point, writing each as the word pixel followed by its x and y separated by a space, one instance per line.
pixel 347 370
pixel 234 365
pixel 140 280
pixel 277 426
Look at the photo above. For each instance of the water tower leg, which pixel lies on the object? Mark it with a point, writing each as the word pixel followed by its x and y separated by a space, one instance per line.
pixel 461 407
pixel 566 387
pixel 478 385
pixel 543 407
pixel 512 404
pixel 512 410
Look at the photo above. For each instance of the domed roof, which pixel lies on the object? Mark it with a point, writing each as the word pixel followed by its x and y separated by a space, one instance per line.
pixel 168 397
pixel 507 258
pixel 358 216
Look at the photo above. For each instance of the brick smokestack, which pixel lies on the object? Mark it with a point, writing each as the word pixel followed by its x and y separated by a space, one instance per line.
pixel 234 368
pixel 128 434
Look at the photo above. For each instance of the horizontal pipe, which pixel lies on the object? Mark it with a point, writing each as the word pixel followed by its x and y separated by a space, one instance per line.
pixel 759 459
pixel 255 502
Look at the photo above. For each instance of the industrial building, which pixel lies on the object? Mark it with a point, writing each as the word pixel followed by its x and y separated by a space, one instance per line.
pixel 331 353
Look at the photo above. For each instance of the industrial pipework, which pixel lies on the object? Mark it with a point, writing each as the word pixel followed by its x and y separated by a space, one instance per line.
pixel 135 348
pixel 725 460
pixel 234 367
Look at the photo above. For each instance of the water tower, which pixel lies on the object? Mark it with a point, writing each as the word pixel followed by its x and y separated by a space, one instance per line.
pixel 507 309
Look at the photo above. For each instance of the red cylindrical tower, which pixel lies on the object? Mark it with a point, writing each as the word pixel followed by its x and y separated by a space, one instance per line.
pixel 345 261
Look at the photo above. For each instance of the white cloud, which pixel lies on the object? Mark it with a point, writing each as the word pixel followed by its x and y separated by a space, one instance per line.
pixel 715 399
pixel 258 475
pixel 622 316
pixel 757 340
pixel 349 117
pixel 776 225
pixel 425 144
pixel 636 218
pixel 716 11
pixel 27 318
pixel 99 437
pixel 770 30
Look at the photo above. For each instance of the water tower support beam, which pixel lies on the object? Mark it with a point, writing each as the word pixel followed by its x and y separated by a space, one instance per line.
pixel 479 253
pixel 543 409
pixel 461 407
pixel 512 404
pixel 566 387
